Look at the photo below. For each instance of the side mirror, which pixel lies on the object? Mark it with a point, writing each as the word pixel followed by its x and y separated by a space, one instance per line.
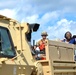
pixel 33 28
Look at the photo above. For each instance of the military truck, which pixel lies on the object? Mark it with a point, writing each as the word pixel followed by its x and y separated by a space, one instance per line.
pixel 16 57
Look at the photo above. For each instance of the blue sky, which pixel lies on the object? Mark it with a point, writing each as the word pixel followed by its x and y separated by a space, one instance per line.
pixel 54 16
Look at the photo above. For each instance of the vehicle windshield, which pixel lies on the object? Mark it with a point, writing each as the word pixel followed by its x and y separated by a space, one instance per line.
pixel 6 45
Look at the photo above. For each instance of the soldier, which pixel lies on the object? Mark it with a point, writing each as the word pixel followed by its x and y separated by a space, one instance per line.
pixel 41 44
pixel 35 52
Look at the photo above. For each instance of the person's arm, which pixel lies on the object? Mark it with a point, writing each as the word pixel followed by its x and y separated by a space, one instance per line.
pixel 72 41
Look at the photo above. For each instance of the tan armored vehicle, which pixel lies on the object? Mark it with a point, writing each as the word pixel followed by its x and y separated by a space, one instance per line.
pixel 16 57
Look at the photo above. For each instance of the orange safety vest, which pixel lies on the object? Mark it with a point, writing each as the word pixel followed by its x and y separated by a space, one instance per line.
pixel 42 46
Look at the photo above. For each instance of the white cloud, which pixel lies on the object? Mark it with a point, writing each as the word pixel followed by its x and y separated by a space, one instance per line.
pixel 49 17
pixel 9 13
pixel 45 18
pixel 31 19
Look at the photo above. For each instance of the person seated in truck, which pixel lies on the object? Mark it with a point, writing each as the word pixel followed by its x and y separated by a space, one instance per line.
pixel 36 52
pixel 41 44
pixel 68 37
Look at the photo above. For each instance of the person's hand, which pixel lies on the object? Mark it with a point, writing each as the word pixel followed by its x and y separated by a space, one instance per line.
pixel 36 56
pixel 42 55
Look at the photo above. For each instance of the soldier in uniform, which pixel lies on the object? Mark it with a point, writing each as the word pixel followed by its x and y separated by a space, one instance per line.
pixel 41 44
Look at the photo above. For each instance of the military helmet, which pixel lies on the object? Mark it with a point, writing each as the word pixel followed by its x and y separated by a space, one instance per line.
pixel 44 33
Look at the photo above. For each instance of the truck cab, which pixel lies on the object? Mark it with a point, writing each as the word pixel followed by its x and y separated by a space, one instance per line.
pixel 15 54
